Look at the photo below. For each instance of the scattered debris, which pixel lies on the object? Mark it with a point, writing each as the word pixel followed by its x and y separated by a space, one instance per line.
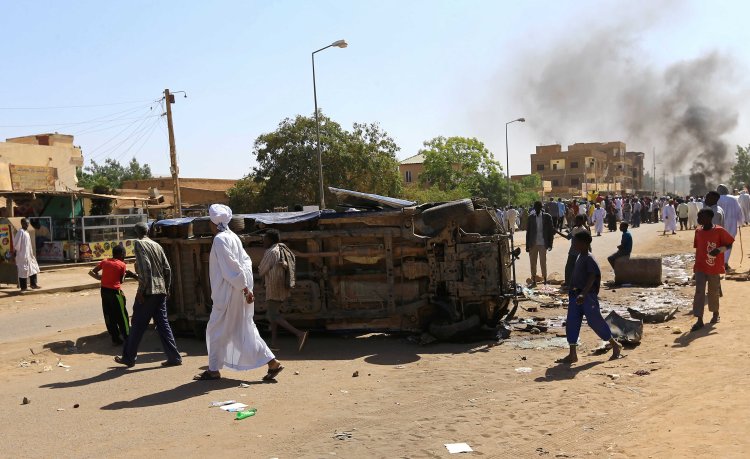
pixel 542 451
pixel 245 414
pixel 455 448
pixel 344 391
pixel 61 409
pixel 25 401
pixel 76 405
pixel 655 316
pixel 47 368
pixel 233 408
pixel 642 373
pixel 400 367
pixel 296 373
pixel 24 364
pixel 215 404
pixel 523 370
pixel 677 331
pixel 244 385
pixel 342 435
pixel 627 331
pixel 613 376
pixel 62 365
pixel 355 374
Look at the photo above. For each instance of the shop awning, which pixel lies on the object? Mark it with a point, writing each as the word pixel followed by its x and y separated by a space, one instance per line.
pixel 77 194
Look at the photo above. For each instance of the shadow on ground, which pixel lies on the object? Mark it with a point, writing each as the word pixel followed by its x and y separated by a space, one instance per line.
pixel 178 394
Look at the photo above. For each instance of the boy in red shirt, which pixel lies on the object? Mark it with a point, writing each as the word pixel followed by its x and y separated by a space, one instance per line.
pixel 113 273
pixel 711 241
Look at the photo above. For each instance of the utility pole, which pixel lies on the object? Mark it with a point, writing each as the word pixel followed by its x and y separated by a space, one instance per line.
pixel 169 99
pixel 653 176
pixel 663 182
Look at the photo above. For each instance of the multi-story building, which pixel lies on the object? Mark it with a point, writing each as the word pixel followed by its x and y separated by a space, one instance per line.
pixel 587 167
pixel 411 168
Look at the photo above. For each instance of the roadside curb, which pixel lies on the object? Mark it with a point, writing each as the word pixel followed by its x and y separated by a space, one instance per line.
pixel 66 289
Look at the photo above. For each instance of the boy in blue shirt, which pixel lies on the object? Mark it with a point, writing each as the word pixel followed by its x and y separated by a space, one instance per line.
pixel 584 300
pixel 625 247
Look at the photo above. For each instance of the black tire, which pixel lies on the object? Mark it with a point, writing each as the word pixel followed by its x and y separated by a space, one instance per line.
pixel 439 216
pixel 456 329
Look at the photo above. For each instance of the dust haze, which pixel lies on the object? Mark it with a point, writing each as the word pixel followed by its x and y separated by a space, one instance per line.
pixel 598 84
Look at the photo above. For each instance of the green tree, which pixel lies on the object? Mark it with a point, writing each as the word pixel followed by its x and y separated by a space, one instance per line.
pixel 363 159
pixel 111 174
pixel 243 196
pixel 741 168
pixel 101 206
pixel 454 162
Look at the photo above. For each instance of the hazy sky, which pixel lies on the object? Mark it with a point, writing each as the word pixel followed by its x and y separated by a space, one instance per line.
pixel 419 68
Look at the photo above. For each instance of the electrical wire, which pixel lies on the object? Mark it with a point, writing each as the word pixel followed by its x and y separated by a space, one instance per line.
pixel 75 106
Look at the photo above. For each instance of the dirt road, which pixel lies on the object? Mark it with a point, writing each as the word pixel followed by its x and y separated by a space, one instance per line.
pixel 407 401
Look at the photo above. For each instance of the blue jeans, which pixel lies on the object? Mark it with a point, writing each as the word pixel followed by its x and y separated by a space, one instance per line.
pixel 589 309
pixel 152 307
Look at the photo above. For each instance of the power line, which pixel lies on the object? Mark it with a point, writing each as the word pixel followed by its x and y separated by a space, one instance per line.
pixel 75 106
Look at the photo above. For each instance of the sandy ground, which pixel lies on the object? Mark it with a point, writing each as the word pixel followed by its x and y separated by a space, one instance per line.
pixel 407 401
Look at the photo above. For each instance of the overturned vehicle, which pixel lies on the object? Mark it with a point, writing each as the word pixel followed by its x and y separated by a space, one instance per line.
pixel 382 265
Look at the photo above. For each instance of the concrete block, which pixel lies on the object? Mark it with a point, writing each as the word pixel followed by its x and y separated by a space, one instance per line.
pixel 645 270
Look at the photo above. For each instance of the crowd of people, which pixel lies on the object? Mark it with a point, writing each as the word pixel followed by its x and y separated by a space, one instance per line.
pixel 715 217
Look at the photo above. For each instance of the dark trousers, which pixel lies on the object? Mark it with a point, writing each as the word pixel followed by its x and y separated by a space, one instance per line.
pixel 152 307
pixel 683 224
pixel 23 282
pixel 612 258
pixel 115 314
pixel 569 266
pixel 636 220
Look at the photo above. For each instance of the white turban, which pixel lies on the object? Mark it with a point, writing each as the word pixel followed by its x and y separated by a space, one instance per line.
pixel 220 215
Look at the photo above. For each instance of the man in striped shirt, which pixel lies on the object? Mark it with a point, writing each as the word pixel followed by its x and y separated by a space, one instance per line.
pixel 277 271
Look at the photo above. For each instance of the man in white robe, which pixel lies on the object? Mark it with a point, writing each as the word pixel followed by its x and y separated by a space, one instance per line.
pixel 599 215
pixel 744 200
pixel 692 214
pixel 732 216
pixel 26 263
pixel 670 218
pixel 232 338
pixel 511 215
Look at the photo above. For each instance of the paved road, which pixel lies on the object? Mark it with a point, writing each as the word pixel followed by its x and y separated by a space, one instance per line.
pixel 36 316
pixel 602 247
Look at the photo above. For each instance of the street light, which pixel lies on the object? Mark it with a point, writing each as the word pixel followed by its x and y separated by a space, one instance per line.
pixel 337 44
pixel 507 157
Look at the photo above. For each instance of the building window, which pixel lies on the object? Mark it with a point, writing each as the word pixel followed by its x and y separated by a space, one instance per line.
pixel 540 167
pixel 574 164
pixel 554 167
pixel 574 182
pixel 408 176
pixel 555 183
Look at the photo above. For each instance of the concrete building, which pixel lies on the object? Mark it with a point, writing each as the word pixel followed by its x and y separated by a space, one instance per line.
pixel 411 168
pixel 585 167
pixel 41 162
pixel 197 194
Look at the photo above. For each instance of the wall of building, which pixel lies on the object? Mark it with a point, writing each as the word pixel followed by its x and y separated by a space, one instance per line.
pixel 165 183
pixel 56 151
pixel 410 173
pixel 588 166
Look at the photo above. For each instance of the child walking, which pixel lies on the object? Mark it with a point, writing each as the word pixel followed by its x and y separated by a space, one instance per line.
pixel 113 272
pixel 584 300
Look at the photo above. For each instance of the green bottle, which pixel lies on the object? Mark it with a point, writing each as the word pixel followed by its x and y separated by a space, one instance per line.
pixel 245 414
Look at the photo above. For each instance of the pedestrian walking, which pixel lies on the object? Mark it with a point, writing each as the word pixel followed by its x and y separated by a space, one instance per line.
pixel 232 338
pixel 584 301
pixel 578 226
pixel 26 263
pixel 732 216
pixel 154 283
pixel 683 213
pixel 712 243
pixel 670 218
pixel 598 217
pixel 111 273
pixel 278 269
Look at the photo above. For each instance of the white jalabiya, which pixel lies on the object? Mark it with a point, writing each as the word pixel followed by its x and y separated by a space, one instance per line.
pixel 692 214
pixel 744 200
pixel 599 215
pixel 511 215
pixel 670 218
pixel 25 259
pixel 232 338
pixel 732 217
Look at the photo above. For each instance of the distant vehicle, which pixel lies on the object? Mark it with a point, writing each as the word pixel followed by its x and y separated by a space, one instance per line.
pixel 383 265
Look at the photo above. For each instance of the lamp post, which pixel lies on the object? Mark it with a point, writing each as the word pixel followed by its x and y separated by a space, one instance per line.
pixel 510 230
pixel 337 44
pixel 507 156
